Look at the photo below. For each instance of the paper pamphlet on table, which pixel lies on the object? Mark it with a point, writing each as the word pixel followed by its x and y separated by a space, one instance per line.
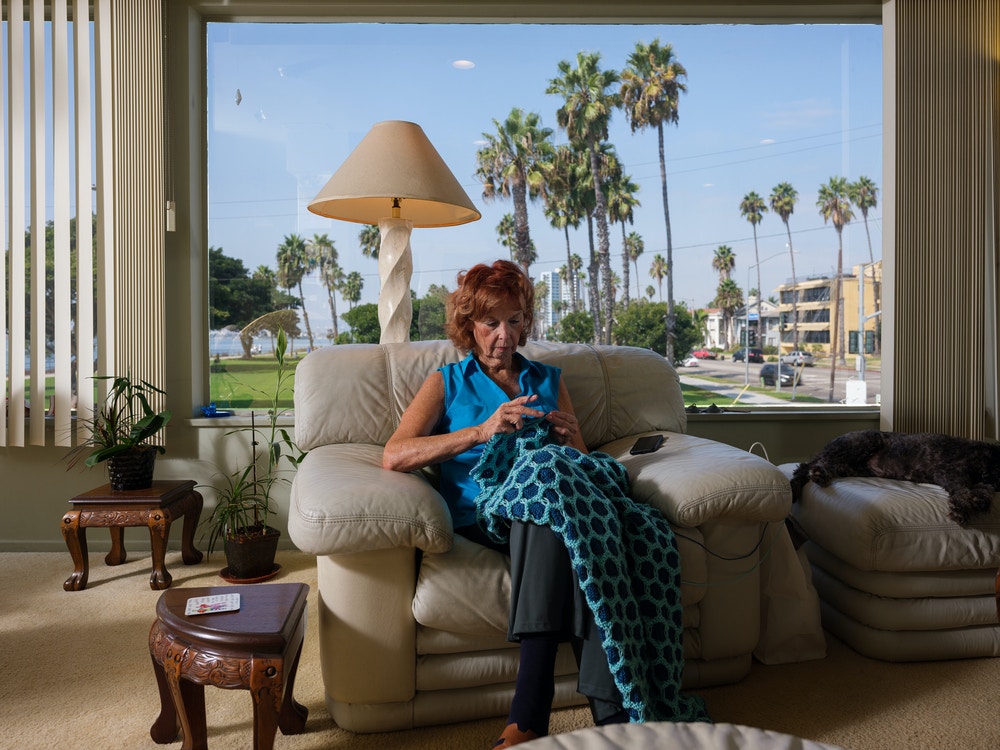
pixel 206 605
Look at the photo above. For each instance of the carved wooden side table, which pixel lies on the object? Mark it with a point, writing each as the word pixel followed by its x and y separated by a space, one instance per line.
pixel 256 648
pixel 156 507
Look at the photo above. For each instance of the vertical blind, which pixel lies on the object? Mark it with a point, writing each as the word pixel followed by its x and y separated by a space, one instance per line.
pixel 945 353
pixel 83 220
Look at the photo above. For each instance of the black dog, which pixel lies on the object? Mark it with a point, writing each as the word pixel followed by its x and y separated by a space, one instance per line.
pixel 968 470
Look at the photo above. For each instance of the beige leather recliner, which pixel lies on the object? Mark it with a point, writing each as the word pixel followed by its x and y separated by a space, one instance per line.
pixel 413 618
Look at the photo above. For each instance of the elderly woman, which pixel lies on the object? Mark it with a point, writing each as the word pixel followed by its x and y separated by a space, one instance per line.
pixel 458 411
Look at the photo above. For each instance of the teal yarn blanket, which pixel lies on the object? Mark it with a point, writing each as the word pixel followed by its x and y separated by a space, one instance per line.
pixel 623 552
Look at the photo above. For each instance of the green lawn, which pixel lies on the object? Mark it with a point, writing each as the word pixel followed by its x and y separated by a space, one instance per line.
pixel 248 383
pixel 702 398
pixel 237 384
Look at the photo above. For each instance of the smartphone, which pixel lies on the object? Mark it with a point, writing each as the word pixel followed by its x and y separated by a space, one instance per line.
pixel 648 444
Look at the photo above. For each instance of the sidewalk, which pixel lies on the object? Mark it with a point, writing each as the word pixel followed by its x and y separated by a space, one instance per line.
pixel 729 393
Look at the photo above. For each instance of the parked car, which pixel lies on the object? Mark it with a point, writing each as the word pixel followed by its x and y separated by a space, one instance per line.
pixel 756 355
pixel 689 362
pixel 770 370
pixel 703 354
pixel 797 357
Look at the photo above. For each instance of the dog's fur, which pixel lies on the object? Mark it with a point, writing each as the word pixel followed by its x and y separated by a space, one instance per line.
pixel 968 470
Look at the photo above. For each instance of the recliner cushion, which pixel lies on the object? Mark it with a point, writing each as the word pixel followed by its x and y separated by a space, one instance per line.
pixel 891 525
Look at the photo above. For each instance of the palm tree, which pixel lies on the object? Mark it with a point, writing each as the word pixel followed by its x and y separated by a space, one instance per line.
pixel 650 291
pixel 753 208
pixel 561 194
pixel 658 270
pixel 565 276
pixel 729 298
pixel 724 261
pixel 331 275
pixel 864 195
pixel 370 239
pixel 295 262
pixel 651 89
pixel 634 247
pixel 508 167
pixel 586 199
pixel 577 276
pixel 505 235
pixel 585 116
pixel 352 287
pixel 835 207
pixel 700 320
pixel 783 198
pixel 621 203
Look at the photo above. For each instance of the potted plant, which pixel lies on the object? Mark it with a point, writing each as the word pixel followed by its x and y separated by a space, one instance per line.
pixel 120 431
pixel 243 505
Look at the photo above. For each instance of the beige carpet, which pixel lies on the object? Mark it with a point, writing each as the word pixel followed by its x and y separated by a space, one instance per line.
pixel 76 673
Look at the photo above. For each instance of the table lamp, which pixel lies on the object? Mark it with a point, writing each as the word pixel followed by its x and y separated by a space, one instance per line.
pixel 395 178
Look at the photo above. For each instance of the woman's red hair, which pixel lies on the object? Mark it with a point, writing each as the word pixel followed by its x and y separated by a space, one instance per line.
pixel 484 288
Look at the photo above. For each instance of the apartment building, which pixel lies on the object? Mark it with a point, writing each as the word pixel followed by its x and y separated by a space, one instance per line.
pixel 811 300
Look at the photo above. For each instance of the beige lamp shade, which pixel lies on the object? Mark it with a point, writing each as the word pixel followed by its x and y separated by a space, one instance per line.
pixel 395 161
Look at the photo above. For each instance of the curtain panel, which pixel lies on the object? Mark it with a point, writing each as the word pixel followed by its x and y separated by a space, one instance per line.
pixel 84 209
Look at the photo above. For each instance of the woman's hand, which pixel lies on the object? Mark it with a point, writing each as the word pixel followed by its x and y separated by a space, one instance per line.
pixel 565 427
pixel 509 417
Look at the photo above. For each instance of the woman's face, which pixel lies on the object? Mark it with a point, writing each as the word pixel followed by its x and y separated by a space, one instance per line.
pixel 497 335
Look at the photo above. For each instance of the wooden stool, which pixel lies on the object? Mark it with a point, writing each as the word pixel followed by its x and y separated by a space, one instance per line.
pixel 256 648
pixel 155 507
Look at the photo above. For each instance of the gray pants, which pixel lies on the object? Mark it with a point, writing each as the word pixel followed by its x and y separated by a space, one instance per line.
pixel 545 597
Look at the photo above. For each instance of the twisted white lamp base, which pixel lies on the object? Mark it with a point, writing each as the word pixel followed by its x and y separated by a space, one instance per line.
pixel 395 269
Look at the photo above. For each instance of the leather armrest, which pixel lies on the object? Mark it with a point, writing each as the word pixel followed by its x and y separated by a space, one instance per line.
pixel 343 501
pixel 693 480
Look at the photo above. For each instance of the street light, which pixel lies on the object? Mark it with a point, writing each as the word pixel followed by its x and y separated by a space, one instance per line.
pixel 746 332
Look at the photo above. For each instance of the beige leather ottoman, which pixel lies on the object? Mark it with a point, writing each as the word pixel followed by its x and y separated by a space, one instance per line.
pixel 897 579
pixel 674 736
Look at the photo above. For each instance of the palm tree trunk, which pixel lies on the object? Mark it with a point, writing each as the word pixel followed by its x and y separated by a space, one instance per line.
pixel 841 347
pixel 671 318
pixel 760 318
pixel 593 288
pixel 570 273
pixel 522 238
pixel 625 268
pixel 603 245
pixel 795 292
pixel 305 317
pixel 837 328
pixel 333 312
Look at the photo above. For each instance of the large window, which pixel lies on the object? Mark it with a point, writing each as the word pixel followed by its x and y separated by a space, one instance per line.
pixel 773 174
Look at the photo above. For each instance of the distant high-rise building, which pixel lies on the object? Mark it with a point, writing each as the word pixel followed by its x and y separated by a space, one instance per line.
pixel 556 302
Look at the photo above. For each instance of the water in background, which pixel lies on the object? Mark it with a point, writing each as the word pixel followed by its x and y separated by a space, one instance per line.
pixel 227 344
pixel 221 343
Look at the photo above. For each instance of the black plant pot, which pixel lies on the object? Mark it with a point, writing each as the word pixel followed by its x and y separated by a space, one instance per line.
pixel 250 557
pixel 133 469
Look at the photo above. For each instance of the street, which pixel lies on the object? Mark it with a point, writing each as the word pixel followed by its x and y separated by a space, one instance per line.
pixel 814 381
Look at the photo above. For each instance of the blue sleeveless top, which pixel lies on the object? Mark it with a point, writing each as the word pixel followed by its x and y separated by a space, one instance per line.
pixel 470 397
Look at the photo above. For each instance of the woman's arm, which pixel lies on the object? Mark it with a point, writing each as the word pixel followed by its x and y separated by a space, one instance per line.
pixel 565 425
pixel 412 446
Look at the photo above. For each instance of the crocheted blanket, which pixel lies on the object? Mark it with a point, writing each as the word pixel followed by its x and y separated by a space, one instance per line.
pixel 623 552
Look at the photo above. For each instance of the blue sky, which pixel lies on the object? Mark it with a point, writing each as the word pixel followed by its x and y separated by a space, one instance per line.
pixel 765 104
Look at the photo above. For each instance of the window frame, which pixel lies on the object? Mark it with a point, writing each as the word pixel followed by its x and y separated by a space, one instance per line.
pixel 189 18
